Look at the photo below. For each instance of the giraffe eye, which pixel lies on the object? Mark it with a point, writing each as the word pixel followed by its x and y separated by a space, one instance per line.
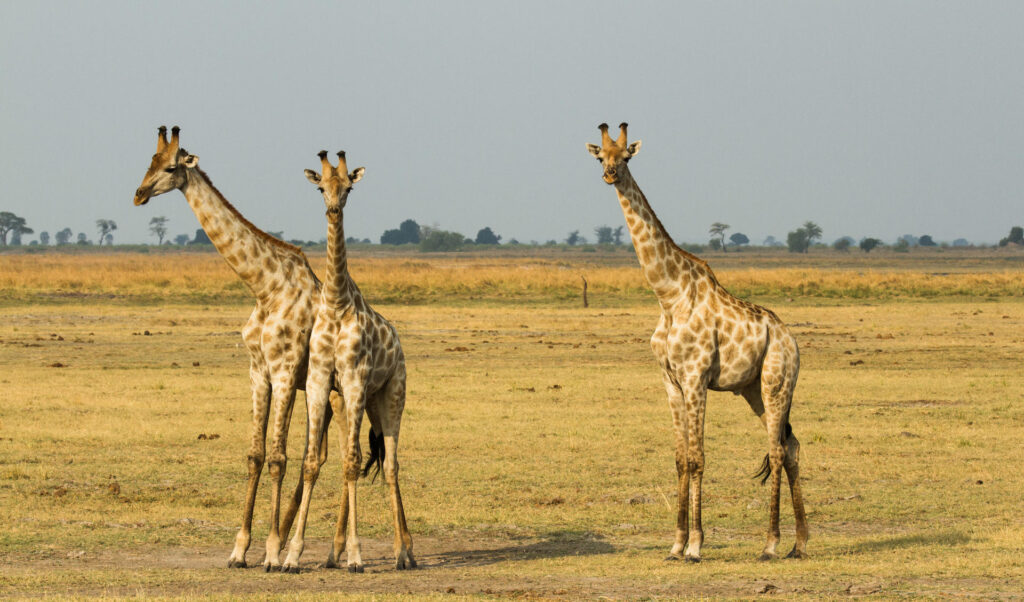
pixel 171 169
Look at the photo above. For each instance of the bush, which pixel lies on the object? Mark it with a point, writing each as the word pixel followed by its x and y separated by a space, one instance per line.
pixel 442 240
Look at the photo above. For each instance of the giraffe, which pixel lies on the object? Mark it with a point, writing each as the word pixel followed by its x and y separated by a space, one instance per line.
pixel 276 334
pixel 708 339
pixel 355 351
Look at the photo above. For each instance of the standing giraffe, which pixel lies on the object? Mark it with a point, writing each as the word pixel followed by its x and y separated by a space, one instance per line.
pixel 708 339
pixel 276 335
pixel 355 351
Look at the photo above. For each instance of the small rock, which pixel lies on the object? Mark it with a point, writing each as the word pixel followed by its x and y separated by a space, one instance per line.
pixel 767 588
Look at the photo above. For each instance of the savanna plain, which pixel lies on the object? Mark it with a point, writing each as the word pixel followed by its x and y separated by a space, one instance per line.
pixel 536 448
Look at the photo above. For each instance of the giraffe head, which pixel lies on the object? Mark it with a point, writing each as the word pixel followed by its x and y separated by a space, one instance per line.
pixel 167 171
pixel 335 182
pixel 613 154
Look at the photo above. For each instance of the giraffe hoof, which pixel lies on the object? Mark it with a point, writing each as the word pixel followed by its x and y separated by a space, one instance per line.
pixel 355 568
pixel 331 564
pixel 268 568
pixel 236 564
pixel 765 557
pixel 692 559
pixel 798 554
pixel 673 558
pixel 292 570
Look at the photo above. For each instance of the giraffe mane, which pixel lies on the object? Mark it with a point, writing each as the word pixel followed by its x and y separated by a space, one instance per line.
pixel 252 227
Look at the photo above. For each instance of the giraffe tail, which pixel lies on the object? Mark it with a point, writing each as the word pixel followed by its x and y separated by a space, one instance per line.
pixel 376 459
pixel 766 468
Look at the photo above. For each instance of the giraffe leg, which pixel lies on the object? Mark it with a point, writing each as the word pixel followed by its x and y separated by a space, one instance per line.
pixel 317 389
pixel 277 459
pixel 390 420
pixel 792 464
pixel 776 454
pixel 695 397
pixel 776 389
pixel 256 457
pixel 296 500
pixel 338 546
pixel 678 410
pixel 355 404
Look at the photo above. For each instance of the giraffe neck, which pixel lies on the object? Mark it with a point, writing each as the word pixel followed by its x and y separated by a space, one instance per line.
pixel 669 270
pixel 339 291
pixel 254 255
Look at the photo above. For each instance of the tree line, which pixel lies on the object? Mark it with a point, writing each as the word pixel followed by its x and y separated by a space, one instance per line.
pixel 13 229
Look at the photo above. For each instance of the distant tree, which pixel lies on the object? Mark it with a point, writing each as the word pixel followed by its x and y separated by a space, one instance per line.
pixel 83 239
pixel 12 224
pixel 902 245
pixel 487 237
pixel 407 232
pixel 961 242
pixel 715 244
pixel 1016 237
pixel 105 227
pixel 181 239
pixel 718 229
pixel 770 241
pixel 513 242
pixel 617 235
pixel 16 236
pixel 278 234
pixel 574 239
pixel 843 244
pixel 44 238
pixel 813 231
pixel 926 241
pixel 411 230
pixel 201 238
pixel 158 228
pixel 441 240
pixel 866 244
pixel 739 239
pixel 605 235
pixel 64 236
pixel 797 241
pixel 910 239
pixel 392 237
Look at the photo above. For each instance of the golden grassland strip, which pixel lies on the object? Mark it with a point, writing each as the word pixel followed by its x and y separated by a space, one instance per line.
pixel 535 456
pixel 451 278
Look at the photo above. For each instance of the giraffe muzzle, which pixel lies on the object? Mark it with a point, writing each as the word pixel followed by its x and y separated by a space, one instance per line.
pixel 141 197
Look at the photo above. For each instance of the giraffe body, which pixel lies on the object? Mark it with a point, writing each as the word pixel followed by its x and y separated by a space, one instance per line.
pixel 276 334
pixel 708 339
pixel 355 351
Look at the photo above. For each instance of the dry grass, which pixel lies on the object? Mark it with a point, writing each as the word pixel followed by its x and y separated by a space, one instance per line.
pixel 552 277
pixel 535 449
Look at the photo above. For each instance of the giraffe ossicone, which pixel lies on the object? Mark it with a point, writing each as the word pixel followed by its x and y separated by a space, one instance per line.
pixel 708 339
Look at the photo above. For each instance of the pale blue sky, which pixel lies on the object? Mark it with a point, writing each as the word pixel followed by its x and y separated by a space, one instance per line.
pixel 870 118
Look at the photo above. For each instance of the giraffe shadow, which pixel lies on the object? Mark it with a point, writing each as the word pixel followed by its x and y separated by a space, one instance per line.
pixel 946 538
pixel 559 544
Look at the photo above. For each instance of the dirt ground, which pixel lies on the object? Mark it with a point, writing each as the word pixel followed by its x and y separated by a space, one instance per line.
pixel 451 567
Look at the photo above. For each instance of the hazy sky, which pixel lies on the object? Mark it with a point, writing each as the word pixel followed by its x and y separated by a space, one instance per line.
pixel 869 118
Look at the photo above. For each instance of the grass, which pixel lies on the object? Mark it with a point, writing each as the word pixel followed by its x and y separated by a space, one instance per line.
pixel 551 276
pixel 536 448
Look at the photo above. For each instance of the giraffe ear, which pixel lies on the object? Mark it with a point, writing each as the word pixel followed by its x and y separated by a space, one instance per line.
pixel 191 161
pixel 633 149
pixel 312 176
pixel 593 149
pixel 357 174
